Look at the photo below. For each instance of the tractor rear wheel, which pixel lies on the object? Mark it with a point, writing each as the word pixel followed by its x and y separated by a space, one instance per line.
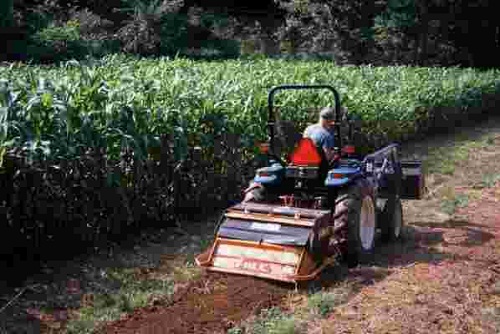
pixel 359 212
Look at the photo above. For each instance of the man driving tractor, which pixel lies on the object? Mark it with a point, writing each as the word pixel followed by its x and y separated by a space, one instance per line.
pixel 321 133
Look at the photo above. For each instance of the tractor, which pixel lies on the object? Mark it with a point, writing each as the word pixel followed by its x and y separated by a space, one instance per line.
pixel 307 213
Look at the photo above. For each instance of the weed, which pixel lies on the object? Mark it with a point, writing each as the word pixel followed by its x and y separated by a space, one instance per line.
pixel 186 273
pixel 274 321
pixel 205 243
pixel 104 301
pixel 122 275
pixel 190 261
pixel 235 330
pixel 490 140
pixel 441 161
pixel 450 205
pixel 490 180
pixel 81 327
pixel 324 302
pixel 474 194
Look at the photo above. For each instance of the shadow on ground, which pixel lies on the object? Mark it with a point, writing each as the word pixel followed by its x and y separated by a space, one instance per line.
pixel 417 245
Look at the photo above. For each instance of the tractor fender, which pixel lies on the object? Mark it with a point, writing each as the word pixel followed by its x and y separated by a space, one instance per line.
pixel 348 175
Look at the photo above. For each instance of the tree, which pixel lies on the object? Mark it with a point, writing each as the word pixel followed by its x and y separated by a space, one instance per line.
pixel 6 13
pixel 6 28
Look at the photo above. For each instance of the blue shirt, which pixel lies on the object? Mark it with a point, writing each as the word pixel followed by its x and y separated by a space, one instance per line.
pixel 320 136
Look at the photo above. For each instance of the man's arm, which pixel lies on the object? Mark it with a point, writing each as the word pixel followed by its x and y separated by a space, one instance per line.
pixel 329 148
pixel 306 132
pixel 329 153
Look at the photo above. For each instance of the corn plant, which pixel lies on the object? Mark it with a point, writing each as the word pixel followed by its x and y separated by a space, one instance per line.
pixel 122 102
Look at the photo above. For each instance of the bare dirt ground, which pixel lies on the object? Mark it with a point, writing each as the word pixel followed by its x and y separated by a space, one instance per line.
pixel 212 304
pixel 443 277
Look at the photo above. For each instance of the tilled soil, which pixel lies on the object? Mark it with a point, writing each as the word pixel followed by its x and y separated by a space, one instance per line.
pixel 212 304
pixel 460 294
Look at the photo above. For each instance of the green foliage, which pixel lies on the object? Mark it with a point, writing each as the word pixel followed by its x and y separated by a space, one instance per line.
pixel 399 13
pixel 133 293
pixel 174 37
pixel 69 32
pixel 213 20
pixel 490 180
pixel 274 321
pixel 235 330
pixel 128 102
pixel 449 205
pixel 6 13
pixel 54 43
pixel 324 302
pixel 173 34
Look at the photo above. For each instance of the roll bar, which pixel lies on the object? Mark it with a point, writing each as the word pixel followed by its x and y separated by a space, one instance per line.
pixel 272 120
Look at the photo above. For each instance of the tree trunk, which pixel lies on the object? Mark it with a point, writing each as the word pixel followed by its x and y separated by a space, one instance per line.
pixel 422 34
pixel 6 24
pixel 6 13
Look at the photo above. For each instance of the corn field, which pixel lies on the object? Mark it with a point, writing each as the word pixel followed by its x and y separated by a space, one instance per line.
pixel 95 149
pixel 52 112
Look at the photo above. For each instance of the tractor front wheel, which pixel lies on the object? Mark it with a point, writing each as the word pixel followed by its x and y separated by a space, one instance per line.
pixel 359 211
pixel 393 219
pixel 392 214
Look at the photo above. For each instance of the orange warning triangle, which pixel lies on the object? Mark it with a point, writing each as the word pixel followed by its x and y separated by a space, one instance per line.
pixel 306 154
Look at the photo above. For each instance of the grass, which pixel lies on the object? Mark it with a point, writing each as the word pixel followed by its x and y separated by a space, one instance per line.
pixel 489 180
pixel 187 272
pixel 269 321
pixel 444 160
pixel 450 205
pixel 448 165
pixel 134 293
pixel 322 303
pixel 299 311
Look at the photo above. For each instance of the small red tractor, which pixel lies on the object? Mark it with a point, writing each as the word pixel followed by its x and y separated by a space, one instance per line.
pixel 314 213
